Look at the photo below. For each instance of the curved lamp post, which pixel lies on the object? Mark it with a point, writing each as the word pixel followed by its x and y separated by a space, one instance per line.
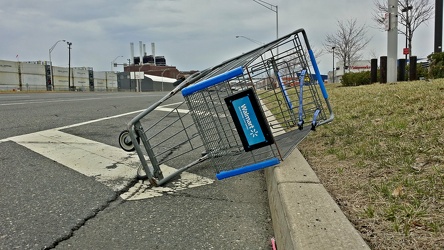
pixel 251 40
pixel 69 65
pixel 51 76
pixel 273 8
pixel 162 76
pixel 112 62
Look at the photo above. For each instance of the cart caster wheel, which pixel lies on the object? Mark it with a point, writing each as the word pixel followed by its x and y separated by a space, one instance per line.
pixel 313 126
pixel 142 177
pixel 301 125
pixel 125 141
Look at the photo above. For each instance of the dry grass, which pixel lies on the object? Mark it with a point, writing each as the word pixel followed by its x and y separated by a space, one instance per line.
pixel 382 159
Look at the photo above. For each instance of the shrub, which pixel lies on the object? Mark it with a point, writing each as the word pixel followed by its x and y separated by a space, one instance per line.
pixel 356 79
pixel 436 65
pixel 420 71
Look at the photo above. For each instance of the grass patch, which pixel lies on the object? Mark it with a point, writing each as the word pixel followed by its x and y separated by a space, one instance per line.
pixel 382 158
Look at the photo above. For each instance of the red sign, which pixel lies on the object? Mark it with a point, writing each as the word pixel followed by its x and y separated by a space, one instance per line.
pixel 361 67
pixel 406 51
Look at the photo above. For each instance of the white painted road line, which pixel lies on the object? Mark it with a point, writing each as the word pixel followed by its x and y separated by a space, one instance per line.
pixel 109 165
pixel 100 119
pixel 66 100
pixel 184 111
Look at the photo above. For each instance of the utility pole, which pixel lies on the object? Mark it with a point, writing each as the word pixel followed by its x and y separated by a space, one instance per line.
pixel 392 41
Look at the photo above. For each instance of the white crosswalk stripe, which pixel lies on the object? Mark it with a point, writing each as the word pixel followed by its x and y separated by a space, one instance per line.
pixel 109 165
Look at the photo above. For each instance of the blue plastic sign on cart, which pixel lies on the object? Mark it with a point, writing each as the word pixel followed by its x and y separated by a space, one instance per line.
pixel 249 120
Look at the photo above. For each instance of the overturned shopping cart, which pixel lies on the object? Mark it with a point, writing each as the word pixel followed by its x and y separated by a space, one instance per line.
pixel 245 114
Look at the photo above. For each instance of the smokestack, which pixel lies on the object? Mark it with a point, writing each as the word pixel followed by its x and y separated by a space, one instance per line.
pixel 144 49
pixel 153 50
pixel 140 50
pixel 132 53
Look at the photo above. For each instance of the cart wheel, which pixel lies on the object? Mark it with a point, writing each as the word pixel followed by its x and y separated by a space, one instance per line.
pixel 301 125
pixel 125 141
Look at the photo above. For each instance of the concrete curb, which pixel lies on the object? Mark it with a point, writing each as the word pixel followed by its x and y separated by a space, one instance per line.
pixel 303 213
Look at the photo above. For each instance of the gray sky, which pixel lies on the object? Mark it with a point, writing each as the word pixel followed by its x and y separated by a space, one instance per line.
pixel 191 34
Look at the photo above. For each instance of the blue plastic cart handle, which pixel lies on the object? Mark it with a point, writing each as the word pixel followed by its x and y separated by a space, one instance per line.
pixel 248 168
pixel 287 98
pixel 301 97
pixel 315 116
pixel 212 81
pixel 318 74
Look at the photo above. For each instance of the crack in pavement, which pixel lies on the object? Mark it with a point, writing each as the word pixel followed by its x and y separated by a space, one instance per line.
pixel 112 202
pixel 116 200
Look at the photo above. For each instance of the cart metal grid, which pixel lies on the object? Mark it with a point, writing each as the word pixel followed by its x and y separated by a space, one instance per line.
pixel 282 87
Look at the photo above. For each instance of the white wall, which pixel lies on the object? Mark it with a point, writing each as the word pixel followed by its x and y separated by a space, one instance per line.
pixel 32 76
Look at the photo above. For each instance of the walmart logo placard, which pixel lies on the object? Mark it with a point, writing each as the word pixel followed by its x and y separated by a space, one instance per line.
pixel 249 120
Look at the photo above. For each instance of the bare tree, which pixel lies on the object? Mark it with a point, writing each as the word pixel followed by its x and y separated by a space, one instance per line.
pixel 348 41
pixel 411 14
pixel 295 62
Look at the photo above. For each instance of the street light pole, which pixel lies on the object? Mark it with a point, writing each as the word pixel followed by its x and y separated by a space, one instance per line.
pixel 273 8
pixel 69 65
pixel 251 40
pixel 162 76
pixel 139 81
pixel 51 76
pixel 334 68
pixel 112 62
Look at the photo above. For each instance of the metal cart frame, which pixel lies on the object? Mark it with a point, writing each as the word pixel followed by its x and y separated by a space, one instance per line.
pixel 280 91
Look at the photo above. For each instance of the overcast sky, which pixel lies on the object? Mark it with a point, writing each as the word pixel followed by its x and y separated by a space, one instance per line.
pixel 191 34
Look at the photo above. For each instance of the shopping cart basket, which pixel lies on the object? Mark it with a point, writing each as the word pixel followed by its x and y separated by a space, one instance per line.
pixel 245 114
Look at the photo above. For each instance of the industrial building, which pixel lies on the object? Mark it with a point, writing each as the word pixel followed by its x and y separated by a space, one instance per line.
pixel 149 74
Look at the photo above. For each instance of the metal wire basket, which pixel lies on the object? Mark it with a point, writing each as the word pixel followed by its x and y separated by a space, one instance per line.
pixel 244 114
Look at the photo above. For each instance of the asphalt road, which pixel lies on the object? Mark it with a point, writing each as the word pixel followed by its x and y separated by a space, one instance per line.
pixel 51 201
